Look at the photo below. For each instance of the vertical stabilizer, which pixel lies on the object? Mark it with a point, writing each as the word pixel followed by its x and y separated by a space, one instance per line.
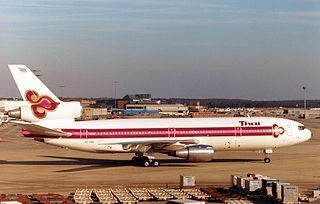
pixel 26 80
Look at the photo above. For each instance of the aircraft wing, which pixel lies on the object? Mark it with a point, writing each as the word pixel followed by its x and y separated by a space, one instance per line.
pixel 35 129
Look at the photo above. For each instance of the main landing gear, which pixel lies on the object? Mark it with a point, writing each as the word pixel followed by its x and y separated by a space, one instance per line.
pixel 145 161
pixel 267 152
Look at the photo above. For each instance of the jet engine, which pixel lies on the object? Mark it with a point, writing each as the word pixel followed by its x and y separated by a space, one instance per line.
pixel 199 153
pixel 32 113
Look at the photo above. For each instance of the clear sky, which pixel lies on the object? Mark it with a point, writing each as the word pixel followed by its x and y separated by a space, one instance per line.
pixel 201 49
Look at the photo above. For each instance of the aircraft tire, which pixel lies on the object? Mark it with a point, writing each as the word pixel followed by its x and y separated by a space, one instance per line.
pixel 155 163
pixel 267 160
pixel 146 163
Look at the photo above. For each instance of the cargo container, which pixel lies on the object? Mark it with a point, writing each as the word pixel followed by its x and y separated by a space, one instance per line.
pixel 233 180
pixel 289 193
pixel 252 185
pixel 187 181
pixel 241 183
pixel 276 189
pixel 267 186
pixel 316 193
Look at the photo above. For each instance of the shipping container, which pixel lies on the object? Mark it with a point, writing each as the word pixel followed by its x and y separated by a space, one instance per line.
pixel 252 185
pixel 289 193
pixel 276 189
pixel 233 180
pixel 267 186
pixel 241 182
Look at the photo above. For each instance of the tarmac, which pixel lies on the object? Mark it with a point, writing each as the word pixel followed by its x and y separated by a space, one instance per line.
pixel 27 166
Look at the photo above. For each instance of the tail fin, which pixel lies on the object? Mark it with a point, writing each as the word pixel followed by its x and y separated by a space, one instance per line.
pixel 26 80
pixel 41 104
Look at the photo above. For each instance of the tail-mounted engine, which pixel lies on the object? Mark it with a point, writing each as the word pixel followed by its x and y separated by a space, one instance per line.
pixel 47 111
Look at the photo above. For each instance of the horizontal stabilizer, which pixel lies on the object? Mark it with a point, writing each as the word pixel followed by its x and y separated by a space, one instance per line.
pixel 43 132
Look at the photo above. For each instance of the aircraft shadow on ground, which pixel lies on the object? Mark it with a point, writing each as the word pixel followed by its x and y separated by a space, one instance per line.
pixel 92 163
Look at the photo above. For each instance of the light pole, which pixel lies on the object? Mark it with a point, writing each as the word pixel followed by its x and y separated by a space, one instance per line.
pixel 61 91
pixel 115 92
pixel 305 101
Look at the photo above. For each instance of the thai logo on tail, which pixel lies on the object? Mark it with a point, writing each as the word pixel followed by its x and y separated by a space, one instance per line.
pixel 276 130
pixel 40 104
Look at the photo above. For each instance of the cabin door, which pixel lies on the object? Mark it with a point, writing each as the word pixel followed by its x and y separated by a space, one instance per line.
pixel 171 132
pixel 237 139
pixel 83 133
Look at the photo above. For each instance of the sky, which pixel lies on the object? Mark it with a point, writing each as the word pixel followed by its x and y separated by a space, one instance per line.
pixel 248 49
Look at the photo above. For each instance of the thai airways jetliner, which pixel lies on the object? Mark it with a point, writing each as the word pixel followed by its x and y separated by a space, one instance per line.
pixel 47 119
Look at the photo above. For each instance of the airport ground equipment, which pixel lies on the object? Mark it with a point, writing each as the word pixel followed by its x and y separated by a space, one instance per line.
pixel 83 196
pixel 141 194
pixel 159 194
pixel 123 195
pixel 196 193
pixel 177 194
pixel 105 196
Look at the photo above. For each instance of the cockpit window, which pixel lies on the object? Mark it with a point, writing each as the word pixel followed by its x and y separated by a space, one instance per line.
pixel 301 127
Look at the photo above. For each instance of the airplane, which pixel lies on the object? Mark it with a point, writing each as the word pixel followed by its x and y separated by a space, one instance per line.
pixel 47 119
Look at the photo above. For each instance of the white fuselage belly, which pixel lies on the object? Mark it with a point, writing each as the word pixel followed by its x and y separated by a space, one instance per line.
pixel 241 133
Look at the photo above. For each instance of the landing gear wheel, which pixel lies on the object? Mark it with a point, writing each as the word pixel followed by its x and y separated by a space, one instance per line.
pixel 267 160
pixel 146 163
pixel 155 163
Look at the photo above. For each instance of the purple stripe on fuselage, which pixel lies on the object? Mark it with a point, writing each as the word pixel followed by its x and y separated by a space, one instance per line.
pixel 169 132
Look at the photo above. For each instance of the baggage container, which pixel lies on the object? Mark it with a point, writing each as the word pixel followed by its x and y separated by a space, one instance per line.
pixel 241 183
pixel 316 193
pixel 276 189
pixel 252 185
pixel 234 180
pixel 289 193
pixel 267 186
pixel 187 181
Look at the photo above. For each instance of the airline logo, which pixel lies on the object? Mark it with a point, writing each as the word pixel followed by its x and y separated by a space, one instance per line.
pixel 276 130
pixel 40 104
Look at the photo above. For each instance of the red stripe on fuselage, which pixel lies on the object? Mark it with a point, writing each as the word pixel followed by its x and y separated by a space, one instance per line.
pixel 169 132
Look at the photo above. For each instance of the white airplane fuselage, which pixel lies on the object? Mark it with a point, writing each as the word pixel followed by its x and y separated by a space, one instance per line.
pixel 223 134
pixel 45 117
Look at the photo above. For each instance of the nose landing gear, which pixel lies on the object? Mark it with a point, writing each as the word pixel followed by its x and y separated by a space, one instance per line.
pixel 267 152
pixel 267 160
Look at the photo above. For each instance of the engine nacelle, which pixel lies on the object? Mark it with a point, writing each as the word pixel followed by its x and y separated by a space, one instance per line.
pixel 195 153
pixel 31 113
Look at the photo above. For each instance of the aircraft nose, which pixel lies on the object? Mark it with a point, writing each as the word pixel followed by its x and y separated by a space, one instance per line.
pixel 307 135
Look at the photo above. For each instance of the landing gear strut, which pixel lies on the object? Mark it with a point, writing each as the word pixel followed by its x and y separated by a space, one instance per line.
pixel 145 161
pixel 267 152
